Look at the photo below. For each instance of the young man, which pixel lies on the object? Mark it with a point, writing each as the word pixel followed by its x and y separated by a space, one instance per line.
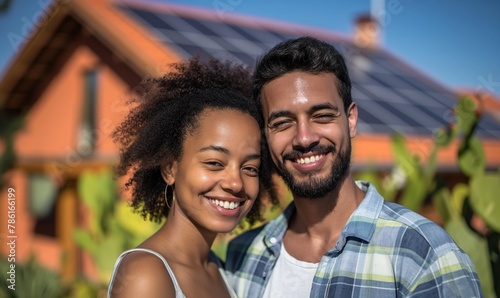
pixel 338 238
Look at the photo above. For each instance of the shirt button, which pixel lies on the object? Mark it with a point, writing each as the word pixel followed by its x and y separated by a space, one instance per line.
pixel 273 240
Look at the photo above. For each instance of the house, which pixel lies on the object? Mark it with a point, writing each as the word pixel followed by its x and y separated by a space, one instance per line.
pixel 73 75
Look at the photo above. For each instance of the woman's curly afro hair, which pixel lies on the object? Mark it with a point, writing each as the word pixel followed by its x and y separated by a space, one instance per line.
pixel 165 112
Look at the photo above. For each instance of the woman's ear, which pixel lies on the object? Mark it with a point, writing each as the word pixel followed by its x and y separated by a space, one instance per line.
pixel 168 172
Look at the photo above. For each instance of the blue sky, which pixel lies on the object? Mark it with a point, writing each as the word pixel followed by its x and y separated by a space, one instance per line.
pixel 455 42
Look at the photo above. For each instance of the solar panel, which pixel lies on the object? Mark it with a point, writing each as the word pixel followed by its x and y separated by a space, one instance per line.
pixel 392 97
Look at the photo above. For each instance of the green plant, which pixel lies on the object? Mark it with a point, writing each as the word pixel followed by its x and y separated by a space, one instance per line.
pixel 112 225
pixel 28 279
pixel 480 191
pixel 85 288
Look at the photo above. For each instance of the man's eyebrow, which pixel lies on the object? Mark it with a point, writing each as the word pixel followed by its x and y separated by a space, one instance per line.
pixel 278 114
pixel 323 106
pixel 315 108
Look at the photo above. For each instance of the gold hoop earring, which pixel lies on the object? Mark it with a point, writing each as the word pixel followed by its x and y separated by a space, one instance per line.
pixel 173 195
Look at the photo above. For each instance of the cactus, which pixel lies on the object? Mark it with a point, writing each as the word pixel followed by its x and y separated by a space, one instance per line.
pixel 485 199
pixel 481 191
pixel 419 179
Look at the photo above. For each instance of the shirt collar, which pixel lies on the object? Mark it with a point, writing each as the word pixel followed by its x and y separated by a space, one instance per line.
pixel 363 220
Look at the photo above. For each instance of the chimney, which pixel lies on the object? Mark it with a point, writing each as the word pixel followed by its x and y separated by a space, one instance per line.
pixel 366 32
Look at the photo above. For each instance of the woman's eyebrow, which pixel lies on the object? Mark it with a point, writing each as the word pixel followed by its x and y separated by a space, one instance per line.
pixel 214 148
pixel 252 156
pixel 226 151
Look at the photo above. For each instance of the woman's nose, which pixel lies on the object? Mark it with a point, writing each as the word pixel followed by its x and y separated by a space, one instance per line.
pixel 232 181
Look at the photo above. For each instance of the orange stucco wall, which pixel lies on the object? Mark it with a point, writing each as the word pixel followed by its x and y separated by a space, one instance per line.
pixel 52 124
pixel 377 150
pixel 111 110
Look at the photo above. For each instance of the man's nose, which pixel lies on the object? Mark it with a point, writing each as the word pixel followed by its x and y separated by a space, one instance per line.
pixel 305 135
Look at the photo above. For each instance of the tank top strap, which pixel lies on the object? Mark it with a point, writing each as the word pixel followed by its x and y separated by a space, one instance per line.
pixel 178 291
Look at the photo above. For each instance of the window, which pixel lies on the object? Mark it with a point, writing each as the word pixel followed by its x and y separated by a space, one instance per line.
pixel 86 136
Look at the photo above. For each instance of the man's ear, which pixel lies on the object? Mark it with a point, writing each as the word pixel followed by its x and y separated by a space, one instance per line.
pixel 352 119
pixel 168 172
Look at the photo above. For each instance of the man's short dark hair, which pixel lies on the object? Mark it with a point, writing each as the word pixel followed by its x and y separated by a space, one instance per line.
pixel 306 54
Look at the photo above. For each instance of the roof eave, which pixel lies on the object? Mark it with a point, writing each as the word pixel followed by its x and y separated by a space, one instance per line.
pixel 114 29
pixel 144 55
pixel 27 53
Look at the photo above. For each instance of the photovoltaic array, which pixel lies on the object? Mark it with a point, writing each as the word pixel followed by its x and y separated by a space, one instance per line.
pixel 392 96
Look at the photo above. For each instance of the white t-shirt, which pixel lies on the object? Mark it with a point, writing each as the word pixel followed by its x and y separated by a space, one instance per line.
pixel 290 277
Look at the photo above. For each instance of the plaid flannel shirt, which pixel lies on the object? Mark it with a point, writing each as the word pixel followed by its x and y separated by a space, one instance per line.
pixel 385 250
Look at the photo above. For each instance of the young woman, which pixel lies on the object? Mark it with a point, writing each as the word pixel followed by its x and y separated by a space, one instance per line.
pixel 194 150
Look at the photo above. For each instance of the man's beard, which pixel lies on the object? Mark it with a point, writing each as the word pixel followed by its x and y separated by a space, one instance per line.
pixel 314 187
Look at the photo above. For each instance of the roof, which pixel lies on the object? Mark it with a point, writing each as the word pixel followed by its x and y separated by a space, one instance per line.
pixel 392 96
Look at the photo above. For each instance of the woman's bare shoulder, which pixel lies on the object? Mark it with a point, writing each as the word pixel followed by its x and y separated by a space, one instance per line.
pixel 142 274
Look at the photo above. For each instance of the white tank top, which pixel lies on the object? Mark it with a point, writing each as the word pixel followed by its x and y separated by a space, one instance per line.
pixel 290 277
pixel 178 291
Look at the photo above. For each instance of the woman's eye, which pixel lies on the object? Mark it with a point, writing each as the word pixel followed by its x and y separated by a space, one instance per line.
pixel 213 164
pixel 252 171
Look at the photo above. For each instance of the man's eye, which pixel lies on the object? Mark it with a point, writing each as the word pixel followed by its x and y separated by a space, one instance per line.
pixel 324 117
pixel 280 124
